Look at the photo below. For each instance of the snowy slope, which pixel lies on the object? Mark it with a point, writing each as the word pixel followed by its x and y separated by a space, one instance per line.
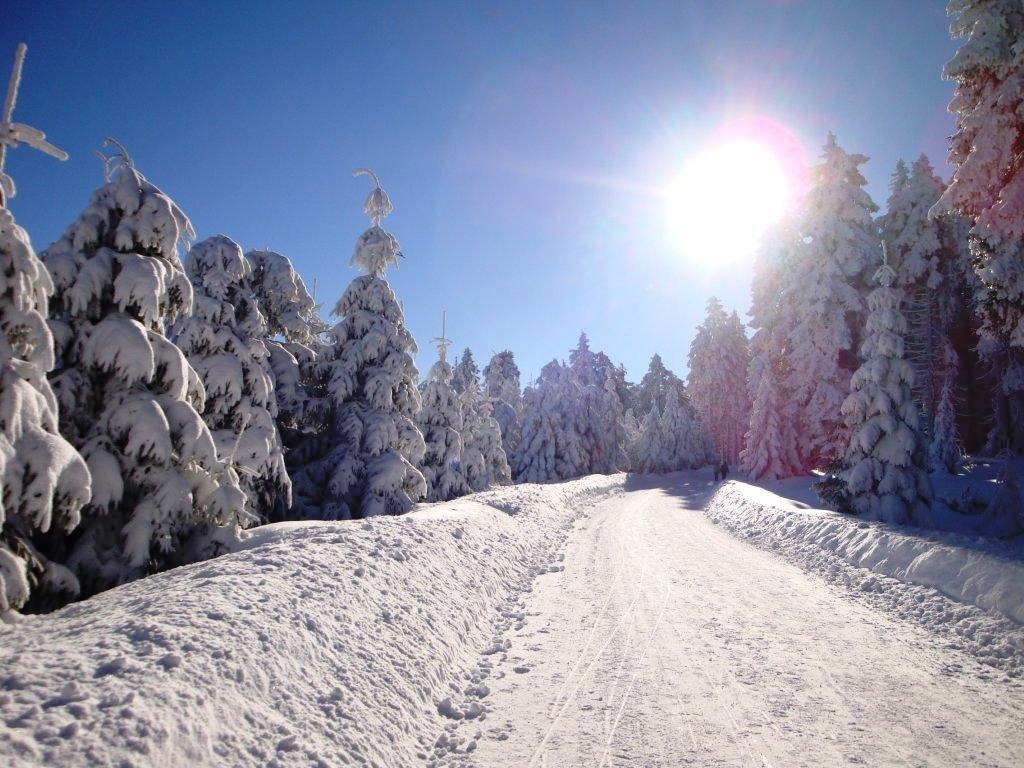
pixel 963 587
pixel 315 644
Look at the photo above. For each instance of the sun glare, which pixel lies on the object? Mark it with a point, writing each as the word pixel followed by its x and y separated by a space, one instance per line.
pixel 724 199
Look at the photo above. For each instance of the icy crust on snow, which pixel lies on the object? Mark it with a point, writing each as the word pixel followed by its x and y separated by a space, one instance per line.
pixel 970 593
pixel 315 643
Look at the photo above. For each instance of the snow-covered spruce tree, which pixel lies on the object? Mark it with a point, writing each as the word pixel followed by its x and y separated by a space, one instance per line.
pixel 128 398
pixel 44 480
pixel 931 269
pixel 502 386
pixel 440 421
pixel 988 187
pixel 294 332
pixel 944 451
pixel 717 382
pixel 465 371
pixel 362 461
pixel 684 441
pixel 656 386
pixel 648 450
pixel 484 461
pixel 599 409
pixel 550 449
pixel 770 444
pixel 223 340
pixel 841 243
pixel 885 471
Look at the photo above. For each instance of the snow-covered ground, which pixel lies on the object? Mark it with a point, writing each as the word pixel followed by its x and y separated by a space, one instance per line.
pixel 604 621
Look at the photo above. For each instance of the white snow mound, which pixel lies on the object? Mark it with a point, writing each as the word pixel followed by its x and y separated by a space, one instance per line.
pixel 312 644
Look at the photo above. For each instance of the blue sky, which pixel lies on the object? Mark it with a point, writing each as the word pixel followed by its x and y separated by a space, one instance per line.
pixel 524 145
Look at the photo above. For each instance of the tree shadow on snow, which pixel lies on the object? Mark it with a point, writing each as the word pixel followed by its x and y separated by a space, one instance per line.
pixel 694 487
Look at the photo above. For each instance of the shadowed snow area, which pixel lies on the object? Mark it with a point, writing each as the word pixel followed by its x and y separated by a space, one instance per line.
pixel 603 621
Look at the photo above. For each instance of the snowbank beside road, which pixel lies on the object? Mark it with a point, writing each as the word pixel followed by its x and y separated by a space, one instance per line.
pixel 314 644
pixel 962 587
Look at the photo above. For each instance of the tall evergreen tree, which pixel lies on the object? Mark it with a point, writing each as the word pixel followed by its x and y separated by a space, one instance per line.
pixel 483 459
pixel 841 242
pixel 44 480
pixel 657 385
pixel 770 444
pixel 502 386
pixel 465 371
pixel 599 409
pixel 717 382
pixel 223 339
pixel 988 187
pixel 550 449
pixel 362 461
pixel 440 420
pixel 128 398
pixel 885 475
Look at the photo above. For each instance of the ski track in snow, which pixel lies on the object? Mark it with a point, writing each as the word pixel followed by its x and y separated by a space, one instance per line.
pixel 666 641
pixel 606 621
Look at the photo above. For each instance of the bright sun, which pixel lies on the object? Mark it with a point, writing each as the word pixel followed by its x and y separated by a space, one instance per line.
pixel 723 201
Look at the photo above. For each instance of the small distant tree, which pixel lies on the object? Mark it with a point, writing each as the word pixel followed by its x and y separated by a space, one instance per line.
pixel 885 464
pixel 502 387
pixel 223 339
pixel 440 420
pixel 717 382
pixel 362 460
pixel 599 410
pixel 656 386
pixel 128 398
pixel 465 371
pixel 483 459
pixel 550 449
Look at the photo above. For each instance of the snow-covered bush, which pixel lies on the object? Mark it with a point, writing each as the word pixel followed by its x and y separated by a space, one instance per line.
pixel 362 459
pixel 223 339
pixel 128 398
pixel 45 481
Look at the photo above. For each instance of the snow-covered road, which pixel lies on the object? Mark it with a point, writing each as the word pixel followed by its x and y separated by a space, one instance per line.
pixel 667 642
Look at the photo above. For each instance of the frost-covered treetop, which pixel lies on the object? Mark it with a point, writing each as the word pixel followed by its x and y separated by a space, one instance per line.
pixel 376 248
pixel 12 134
pixel 289 309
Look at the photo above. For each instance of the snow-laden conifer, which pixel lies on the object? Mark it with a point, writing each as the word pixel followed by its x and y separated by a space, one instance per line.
pixel 223 340
pixel 656 386
pixel 988 187
pixel 841 244
pixel 484 461
pixel 885 475
pixel 128 398
pixel 648 450
pixel 931 266
pixel 465 371
pixel 717 382
pixel 440 421
pixel 294 333
pixel 550 449
pixel 599 410
pixel 502 386
pixel 685 442
pixel 44 480
pixel 362 460
pixel 770 444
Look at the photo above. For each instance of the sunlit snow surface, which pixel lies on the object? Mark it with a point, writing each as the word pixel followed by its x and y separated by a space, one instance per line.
pixel 358 643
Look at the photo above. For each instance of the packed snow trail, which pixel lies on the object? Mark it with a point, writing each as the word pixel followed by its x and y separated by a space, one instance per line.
pixel 667 642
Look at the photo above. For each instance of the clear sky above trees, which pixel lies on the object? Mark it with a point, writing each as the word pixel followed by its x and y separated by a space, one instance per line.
pixel 527 147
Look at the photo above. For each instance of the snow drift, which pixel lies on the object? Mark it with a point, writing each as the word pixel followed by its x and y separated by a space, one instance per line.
pixel 980 587
pixel 314 644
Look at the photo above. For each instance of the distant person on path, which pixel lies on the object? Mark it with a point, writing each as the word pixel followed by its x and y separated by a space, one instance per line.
pixel 723 471
pixel 718 472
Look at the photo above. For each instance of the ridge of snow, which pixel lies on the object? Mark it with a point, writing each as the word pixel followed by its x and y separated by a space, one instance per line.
pixel 313 643
pixel 958 586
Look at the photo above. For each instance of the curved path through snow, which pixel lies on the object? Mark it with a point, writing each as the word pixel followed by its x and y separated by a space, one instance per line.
pixel 667 642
